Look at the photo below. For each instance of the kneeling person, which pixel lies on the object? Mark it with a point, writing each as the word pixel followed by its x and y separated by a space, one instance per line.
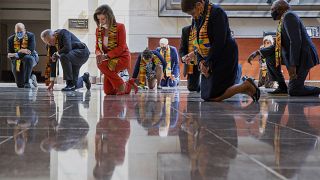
pixel 65 46
pixel 150 66
pixel 21 51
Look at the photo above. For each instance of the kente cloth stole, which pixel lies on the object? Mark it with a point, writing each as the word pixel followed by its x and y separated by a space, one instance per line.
pixel 167 57
pixel 191 48
pixel 278 42
pixel 202 42
pixel 17 45
pixel 112 43
pixel 143 68
pixel 142 72
pixel 48 66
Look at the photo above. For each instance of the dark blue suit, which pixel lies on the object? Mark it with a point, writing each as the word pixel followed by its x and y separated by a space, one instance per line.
pixel 73 54
pixel 297 50
pixel 28 61
pixel 175 69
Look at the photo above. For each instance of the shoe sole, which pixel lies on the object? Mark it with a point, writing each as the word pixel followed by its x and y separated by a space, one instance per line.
pixel 34 80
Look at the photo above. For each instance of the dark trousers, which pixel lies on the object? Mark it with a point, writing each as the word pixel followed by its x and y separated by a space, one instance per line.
pixel 275 73
pixel 194 80
pixel 72 62
pixel 27 64
pixel 297 87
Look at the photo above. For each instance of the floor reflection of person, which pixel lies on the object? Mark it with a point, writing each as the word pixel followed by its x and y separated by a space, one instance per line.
pixel 210 142
pixel 292 141
pixel 68 132
pixel 23 123
pixel 161 116
pixel 200 139
pixel 111 138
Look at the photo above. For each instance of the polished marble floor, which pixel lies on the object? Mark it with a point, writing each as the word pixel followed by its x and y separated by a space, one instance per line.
pixel 165 135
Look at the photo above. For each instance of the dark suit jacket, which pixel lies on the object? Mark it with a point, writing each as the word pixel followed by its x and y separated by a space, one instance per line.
pixel 31 45
pixel 184 46
pixel 297 47
pixel 174 61
pixel 68 41
pixel 137 66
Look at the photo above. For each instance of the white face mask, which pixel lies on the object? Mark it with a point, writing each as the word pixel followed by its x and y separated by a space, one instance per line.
pixel 104 26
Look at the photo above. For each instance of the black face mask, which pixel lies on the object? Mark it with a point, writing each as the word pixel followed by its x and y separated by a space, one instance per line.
pixel 164 48
pixel 274 15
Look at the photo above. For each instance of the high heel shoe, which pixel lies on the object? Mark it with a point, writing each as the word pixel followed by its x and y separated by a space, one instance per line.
pixel 134 85
pixel 256 96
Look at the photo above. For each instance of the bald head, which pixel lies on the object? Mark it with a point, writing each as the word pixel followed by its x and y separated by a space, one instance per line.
pixel 19 27
pixel 20 30
pixel 278 8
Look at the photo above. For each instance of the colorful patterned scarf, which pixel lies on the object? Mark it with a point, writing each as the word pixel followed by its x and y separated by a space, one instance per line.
pixel 112 43
pixel 191 48
pixel 17 45
pixel 48 66
pixel 167 58
pixel 202 42
pixel 143 68
pixel 278 42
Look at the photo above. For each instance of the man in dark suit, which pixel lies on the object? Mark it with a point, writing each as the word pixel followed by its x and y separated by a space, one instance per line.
pixel 21 51
pixel 64 45
pixel 170 55
pixel 294 49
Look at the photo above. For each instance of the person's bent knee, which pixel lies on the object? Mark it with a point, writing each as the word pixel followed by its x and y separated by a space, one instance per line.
pixel 28 58
pixel 293 92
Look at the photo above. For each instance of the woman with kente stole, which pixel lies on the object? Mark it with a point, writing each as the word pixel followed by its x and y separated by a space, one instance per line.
pixel 217 52
pixel 112 52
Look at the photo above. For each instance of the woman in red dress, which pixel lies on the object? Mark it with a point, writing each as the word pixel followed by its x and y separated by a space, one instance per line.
pixel 112 52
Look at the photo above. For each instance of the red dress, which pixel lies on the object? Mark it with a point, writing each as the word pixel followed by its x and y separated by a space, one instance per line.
pixel 119 57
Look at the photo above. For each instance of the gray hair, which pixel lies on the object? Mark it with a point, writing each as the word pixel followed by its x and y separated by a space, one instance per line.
pixel 46 33
pixel 20 25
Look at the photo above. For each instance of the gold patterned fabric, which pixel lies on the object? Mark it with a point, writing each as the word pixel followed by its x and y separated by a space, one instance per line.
pixel 167 58
pixel 191 47
pixel 48 66
pixel 278 42
pixel 202 42
pixel 112 43
pixel 17 45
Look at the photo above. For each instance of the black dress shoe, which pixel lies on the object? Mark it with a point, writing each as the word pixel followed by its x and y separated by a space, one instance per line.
pixel 279 91
pixel 86 80
pixel 68 88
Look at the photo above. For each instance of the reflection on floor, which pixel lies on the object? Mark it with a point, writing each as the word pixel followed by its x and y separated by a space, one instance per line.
pixel 165 135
